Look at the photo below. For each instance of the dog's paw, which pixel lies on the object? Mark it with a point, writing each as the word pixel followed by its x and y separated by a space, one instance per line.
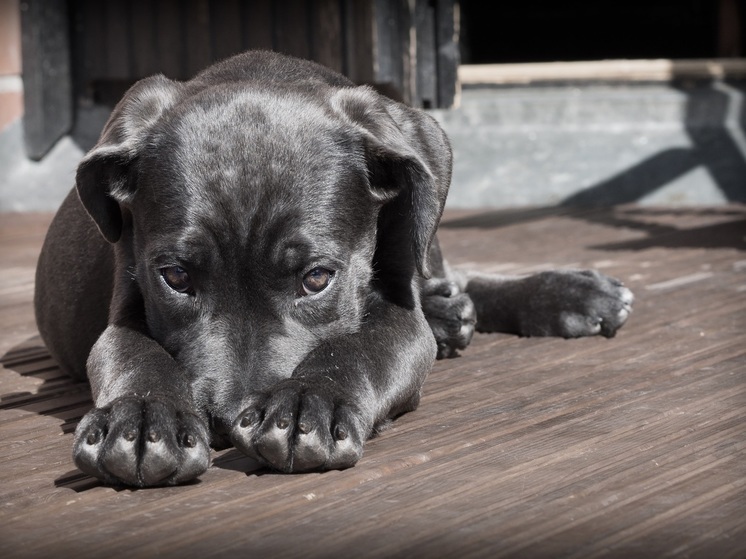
pixel 578 303
pixel 141 442
pixel 298 427
pixel 450 314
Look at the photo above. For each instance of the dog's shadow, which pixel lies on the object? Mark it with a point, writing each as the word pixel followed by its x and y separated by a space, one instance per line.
pixel 235 460
pixel 63 398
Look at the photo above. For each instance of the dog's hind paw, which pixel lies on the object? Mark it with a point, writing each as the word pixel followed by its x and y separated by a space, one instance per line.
pixel 576 303
pixel 141 442
pixel 450 314
pixel 299 427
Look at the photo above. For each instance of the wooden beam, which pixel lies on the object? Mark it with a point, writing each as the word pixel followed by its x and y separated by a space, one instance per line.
pixel 448 23
pixel 662 70
pixel 46 75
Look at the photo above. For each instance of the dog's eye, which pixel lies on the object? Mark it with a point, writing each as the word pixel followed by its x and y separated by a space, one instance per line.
pixel 177 278
pixel 316 281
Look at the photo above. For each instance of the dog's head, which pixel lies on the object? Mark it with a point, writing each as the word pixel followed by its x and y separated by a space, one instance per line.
pixel 260 219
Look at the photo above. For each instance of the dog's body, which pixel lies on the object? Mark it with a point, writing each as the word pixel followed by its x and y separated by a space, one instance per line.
pixel 248 259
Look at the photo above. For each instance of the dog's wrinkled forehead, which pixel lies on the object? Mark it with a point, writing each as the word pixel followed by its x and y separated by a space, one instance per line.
pixel 267 139
pixel 244 159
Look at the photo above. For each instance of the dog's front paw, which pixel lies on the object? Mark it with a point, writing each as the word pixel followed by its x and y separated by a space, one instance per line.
pixel 577 303
pixel 141 442
pixel 298 427
pixel 450 314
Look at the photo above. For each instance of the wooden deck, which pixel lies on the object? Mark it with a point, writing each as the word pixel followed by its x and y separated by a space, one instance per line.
pixel 630 447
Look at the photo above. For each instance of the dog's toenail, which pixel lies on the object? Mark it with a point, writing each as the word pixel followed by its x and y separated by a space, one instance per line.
pixel 92 438
pixel 153 437
pixel 130 435
pixel 190 441
pixel 283 423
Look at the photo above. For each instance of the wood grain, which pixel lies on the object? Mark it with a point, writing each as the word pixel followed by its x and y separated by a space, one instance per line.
pixel 630 447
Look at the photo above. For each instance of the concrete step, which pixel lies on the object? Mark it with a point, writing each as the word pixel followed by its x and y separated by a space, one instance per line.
pixel 597 144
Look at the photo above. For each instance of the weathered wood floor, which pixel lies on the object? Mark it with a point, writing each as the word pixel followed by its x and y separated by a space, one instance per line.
pixel 630 447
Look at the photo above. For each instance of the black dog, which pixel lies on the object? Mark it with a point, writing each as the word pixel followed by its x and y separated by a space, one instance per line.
pixel 248 258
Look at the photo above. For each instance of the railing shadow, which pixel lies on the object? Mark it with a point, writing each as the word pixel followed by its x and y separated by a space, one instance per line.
pixel 663 227
pixel 58 396
pixel 715 122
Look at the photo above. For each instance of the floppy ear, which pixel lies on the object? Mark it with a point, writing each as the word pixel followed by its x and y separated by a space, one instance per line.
pixel 409 167
pixel 104 178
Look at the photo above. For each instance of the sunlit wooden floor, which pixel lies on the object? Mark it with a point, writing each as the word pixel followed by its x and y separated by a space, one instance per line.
pixel 630 447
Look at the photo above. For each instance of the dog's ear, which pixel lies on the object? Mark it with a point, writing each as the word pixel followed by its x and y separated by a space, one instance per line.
pixel 409 166
pixel 105 177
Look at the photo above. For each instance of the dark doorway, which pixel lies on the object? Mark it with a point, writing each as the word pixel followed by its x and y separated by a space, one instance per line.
pixel 547 30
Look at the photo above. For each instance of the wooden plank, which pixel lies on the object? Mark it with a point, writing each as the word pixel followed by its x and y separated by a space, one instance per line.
pixel 258 24
pixel 225 28
pixel 416 49
pixel 533 447
pixel 427 59
pixel 291 19
pixel 604 70
pixel 144 38
pixel 116 35
pixel 326 34
pixel 86 58
pixel 449 58
pixel 392 46
pixel 47 81
pixel 172 59
pixel 197 36
pixel 360 55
